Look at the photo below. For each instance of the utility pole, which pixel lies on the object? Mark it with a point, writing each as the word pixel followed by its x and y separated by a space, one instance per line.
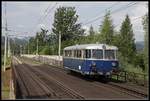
pixel 8 46
pixel 5 40
pixel 28 46
pixel 5 51
pixel 59 45
pixel 23 47
pixel 20 50
pixel 13 48
pixel 37 47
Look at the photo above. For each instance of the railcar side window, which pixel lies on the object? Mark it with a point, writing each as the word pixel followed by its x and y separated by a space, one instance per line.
pixel 87 54
pixel 116 55
pixel 109 54
pixel 68 53
pixel 97 54
pixel 75 53
pixel 79 53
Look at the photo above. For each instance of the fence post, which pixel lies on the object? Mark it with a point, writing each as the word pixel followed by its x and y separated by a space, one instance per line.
pixel 43 60
pixel 144 79
pixel 117 77
pixel 125 76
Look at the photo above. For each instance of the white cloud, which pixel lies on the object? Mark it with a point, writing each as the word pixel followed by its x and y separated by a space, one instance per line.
pixel 139 9
pixel 86 30
pixel 41 26
pixel 28 13
pixel 20 26
pixel 139 36
pixel 135 14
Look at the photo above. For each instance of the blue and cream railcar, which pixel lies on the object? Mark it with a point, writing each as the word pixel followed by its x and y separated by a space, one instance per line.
pixel 91 59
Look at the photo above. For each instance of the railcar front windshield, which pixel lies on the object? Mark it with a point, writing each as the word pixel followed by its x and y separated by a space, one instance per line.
pixel 109 54
pixel 97 54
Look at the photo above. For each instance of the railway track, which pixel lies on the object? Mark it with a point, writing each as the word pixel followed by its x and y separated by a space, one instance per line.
pixel 112 85
pixel 31 86
pixel 54 80
pixel 62 91
pixel 17 78
pixel 121 89
pixel 136 93
pixel 38 85
pixel 115 86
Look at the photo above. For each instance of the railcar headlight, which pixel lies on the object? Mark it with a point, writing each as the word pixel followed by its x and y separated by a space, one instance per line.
pixel 93 64
pixel 79 67
pixel 114 64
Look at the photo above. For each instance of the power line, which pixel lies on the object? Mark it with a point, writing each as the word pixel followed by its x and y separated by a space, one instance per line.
pixel 16 31
pixel 105 10
pixel 104 15
pixel 49 11
pixel 44 13
pixel 17 35
pixel 131 19
pixel 41 20
pixel 126 6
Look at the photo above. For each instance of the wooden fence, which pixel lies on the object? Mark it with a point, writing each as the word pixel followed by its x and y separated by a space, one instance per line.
pixel 138 78
pixel 50 61
pixel 125 76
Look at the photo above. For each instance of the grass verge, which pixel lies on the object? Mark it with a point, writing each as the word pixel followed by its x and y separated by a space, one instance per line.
pixel 5 84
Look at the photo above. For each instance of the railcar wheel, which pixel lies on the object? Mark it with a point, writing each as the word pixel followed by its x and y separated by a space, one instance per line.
pixel 104 78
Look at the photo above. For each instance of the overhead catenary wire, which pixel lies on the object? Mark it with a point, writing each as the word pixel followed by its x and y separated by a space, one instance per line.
pixel 49 11
pixel 122 8
pixel 46 12
pixel 105 10
pixel 19 35
pixel 16 33
pixel 99 17
pixel 38 21
pixel 43 20
pixel 135 19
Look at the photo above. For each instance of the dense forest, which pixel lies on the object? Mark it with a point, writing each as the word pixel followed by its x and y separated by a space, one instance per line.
pixel 132 56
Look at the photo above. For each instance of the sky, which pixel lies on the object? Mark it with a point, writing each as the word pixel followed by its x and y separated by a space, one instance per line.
pixel 26 18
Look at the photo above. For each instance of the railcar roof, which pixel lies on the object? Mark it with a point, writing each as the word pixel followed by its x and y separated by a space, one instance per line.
pixel 91 46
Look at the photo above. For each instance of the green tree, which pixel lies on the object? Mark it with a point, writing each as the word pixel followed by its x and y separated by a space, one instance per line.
pixel 126 43
pixel 91 30
pixel 106 30
pixel 65 24
pixel 42 40
pixel 41 36
pixel 116 38
pixel 146 38
pixel 32 45
pixel 139 61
